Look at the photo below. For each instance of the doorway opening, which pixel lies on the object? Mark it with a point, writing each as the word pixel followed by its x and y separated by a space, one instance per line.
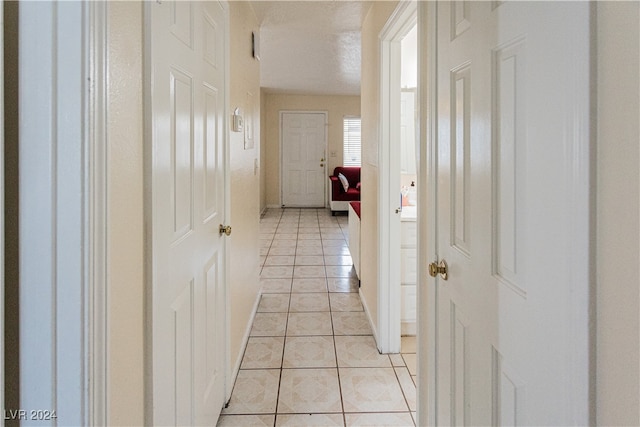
pixel 398 171
pixel 408 181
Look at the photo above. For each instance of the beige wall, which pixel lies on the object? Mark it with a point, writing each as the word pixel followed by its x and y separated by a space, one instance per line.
pixel 618 213
pixel 263 152
pixel 336 106
pixel 245 179
pixel 372 25
pixel 125 246
pixel 125 212
pixel 618 195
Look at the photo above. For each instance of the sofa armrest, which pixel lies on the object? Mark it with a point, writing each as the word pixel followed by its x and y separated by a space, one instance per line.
pixel 336 185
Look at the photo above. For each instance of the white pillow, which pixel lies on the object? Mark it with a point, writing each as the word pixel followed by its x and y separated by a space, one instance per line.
pixel 344 181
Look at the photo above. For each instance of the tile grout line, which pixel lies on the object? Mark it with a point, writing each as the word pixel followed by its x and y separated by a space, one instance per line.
pixel 286 328
pixel 330 228
pixel 245 349
pixel 404 395
pixel 333 334
pixel 284 342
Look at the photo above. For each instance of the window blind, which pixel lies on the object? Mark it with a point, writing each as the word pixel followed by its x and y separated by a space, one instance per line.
pixel 352 142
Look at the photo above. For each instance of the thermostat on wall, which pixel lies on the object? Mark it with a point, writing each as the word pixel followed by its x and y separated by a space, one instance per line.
pixel 238 122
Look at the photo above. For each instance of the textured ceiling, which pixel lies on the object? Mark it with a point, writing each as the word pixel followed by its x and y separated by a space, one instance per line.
pixel 310 47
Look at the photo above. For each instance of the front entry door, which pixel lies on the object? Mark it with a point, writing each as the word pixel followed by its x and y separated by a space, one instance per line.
pixel 188 97
pixel 303 159
pixel 512 117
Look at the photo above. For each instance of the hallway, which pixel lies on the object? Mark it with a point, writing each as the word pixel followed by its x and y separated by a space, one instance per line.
pixel 311 358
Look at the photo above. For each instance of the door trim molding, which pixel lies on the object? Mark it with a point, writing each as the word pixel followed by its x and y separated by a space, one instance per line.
pixel 54 224
pixel 281 156
pixel 427 219
pixel 97 214
pixel 228 379
pixel 389 310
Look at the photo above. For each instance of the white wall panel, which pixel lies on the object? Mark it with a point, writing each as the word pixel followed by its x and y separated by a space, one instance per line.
pixel 509 162
pixel 408 263
pixel 461 157
pixel 212 49
pixel 508 394
pixel 459 367
pixel 408 301
pixel 460 19
pixel 183 349
pixel 181 24
pixel 182 139
pixel 214 294
pixel 212 152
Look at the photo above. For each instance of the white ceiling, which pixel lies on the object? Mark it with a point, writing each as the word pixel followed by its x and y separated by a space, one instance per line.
pixel 310 47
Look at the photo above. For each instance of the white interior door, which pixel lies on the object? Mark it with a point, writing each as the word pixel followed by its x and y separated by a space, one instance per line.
pixel 188 95
pixel 303 159
pixel 512 210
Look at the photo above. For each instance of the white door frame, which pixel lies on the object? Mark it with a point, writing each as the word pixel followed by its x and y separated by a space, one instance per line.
pixel 326 136
pixel 427 218
pixel 85 269
pixel 98 208
pixel 56 198
pixel 389 310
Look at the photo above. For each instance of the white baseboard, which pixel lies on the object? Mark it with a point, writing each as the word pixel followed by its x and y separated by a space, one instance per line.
pixel 245 341
pixel 368 314
pixel 408 328
pixel 280 207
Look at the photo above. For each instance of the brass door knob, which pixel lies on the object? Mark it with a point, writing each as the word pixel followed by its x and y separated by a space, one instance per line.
pixel 442 269
pixel 225 229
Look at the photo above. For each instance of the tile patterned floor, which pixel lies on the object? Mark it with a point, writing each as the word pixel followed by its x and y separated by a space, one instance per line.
pixel 311 359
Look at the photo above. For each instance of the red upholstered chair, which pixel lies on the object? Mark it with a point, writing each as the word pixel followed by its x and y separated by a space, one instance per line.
pixel 339 198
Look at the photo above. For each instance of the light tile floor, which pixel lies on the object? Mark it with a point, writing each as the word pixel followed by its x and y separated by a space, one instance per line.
pixel 311 359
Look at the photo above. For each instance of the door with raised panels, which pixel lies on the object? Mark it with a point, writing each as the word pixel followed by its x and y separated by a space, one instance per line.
pixel 512 121
pixel 304 173
pixel 188 132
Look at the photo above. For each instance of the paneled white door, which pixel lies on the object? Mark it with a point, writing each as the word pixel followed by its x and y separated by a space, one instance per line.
pixel 512 210
pixel 188 173
pixel 303 159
